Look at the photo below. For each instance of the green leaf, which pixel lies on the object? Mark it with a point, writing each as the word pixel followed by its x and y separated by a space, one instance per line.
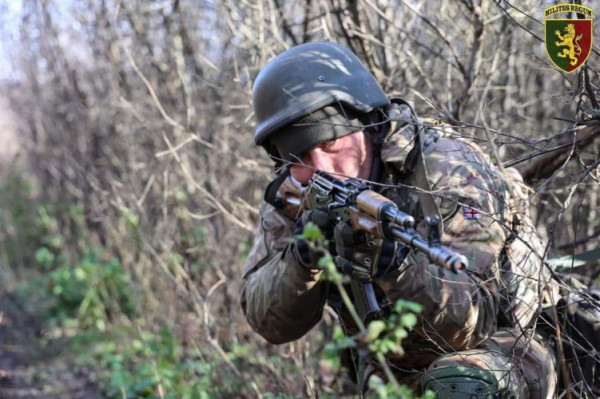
pixel 55 241
pixel 180 195
pixel 79 273
pixel 312 232
pixel 400 333
pixel 408 319
pixel 414 307
pixel 403 306
pixel 375 328
pixel 44 257
pixel 326 262
pixel 338 333
pixel 137 345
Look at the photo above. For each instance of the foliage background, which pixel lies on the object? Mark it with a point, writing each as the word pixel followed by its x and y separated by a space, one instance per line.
pixel 133 198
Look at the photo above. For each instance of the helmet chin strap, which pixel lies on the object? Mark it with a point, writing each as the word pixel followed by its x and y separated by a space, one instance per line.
pixel 270 195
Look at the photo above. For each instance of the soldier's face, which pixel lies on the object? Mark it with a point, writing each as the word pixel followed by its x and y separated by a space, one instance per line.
pixel 349 156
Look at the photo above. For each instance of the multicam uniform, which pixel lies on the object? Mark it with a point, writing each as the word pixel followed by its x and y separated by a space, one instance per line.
pixel 478 319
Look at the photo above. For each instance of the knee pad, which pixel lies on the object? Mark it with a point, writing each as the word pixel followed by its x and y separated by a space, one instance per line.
pixel 458 382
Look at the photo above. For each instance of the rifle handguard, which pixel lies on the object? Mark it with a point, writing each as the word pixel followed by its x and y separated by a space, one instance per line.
pixel 372 212
pixel 382 208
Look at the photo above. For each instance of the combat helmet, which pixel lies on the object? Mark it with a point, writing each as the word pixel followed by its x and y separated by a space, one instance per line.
pixel 309 94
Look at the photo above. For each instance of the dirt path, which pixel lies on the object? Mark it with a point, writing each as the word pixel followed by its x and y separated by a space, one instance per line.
pixel 29 369
pixel 13 373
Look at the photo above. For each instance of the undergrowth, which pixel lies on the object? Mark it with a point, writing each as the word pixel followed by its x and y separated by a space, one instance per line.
pixel 88 303
pixel 97 309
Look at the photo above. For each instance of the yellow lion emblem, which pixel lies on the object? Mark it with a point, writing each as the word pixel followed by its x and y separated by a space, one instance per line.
pixel 569 40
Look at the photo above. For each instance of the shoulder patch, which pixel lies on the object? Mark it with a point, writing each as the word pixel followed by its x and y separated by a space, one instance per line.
pixel 471 213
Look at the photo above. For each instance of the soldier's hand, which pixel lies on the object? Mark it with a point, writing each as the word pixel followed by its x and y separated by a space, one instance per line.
pixel 308 253
pixel 365 253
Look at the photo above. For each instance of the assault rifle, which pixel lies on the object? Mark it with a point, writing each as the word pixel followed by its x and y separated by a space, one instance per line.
pixel 353 200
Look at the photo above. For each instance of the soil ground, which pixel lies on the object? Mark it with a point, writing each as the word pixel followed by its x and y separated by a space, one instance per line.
pixel 30 368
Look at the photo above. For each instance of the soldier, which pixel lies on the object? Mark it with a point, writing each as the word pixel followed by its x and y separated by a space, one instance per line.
pixel 319 108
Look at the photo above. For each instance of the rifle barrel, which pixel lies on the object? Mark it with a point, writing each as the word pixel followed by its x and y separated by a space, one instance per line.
pixel 438 254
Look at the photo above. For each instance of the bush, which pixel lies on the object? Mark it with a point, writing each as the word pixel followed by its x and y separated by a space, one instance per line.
pixel 95 290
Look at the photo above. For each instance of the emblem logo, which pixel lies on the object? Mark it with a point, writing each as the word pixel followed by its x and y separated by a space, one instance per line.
pixel 568 41
pixel 470 213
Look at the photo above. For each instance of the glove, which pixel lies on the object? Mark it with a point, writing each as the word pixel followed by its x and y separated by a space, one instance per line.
pixel 302 251
pixel 364 256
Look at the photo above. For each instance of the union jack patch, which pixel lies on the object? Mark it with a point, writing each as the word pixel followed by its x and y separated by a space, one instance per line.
pixel 470 213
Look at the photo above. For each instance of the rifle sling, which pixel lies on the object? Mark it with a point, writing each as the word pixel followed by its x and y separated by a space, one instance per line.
pixel 421 182
pixel 272 188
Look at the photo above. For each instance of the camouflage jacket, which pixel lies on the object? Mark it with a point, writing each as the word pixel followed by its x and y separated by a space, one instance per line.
pixel 485 218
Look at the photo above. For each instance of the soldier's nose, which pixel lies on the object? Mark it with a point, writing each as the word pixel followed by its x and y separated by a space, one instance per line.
pixel 301 174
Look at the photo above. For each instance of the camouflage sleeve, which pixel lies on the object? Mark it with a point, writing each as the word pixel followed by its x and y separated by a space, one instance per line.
pixel 281 299
pixel 460 310
pixel 524 276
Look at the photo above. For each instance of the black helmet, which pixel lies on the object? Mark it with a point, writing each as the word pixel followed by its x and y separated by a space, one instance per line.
pixel 305 79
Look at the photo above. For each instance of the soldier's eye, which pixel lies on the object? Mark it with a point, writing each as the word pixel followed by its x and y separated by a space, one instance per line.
pixel 328 144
